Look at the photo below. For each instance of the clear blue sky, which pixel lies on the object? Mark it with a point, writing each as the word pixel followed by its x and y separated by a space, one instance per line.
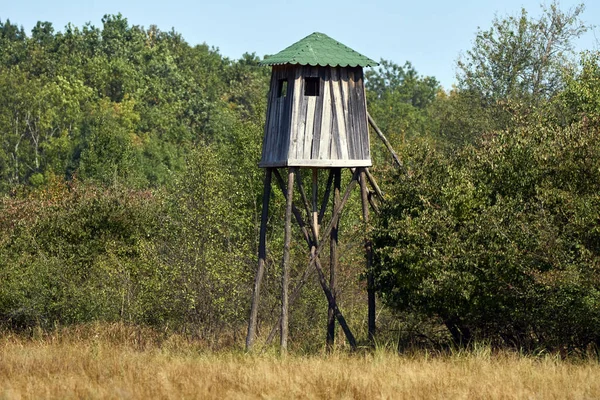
pixel 429 34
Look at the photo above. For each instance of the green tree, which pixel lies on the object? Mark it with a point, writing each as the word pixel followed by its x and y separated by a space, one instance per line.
pixel 500 242
pixel 520 57
pixel 398 98
pixel 111 151
pixel 581 97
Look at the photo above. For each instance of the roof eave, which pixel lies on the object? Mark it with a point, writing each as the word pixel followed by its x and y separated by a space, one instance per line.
pixel 266 63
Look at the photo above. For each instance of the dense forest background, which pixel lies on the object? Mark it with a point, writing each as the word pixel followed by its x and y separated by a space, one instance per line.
pixel 129 190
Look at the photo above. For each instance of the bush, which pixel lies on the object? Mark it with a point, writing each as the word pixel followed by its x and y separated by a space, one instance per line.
pixel 500 242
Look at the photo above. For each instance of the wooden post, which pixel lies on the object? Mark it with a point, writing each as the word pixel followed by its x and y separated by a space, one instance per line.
pixel 262 255
pixel 333 259
pixel 285 265
pixel 326 195
pixel 374 184
pixel 369 256
pixel 384 140
pixel 315 199
pixel 314 260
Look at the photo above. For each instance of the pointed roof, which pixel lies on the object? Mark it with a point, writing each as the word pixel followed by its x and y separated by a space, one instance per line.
pixel 319 49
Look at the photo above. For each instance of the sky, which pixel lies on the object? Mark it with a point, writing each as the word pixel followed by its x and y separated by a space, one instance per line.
pixel 430 34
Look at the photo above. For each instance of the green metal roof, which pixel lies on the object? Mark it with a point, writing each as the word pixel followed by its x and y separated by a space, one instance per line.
pixel 319 49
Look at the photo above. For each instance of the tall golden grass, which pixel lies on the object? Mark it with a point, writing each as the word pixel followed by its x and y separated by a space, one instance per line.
pixel 118 362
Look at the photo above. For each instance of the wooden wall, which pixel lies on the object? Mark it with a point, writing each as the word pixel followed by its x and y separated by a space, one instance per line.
pixel 328 130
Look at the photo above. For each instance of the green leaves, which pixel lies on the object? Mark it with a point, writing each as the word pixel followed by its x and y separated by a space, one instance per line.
pixel 522 58
pixel 500 240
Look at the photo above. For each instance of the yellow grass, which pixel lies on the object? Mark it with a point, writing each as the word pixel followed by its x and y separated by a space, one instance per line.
pixel 117 362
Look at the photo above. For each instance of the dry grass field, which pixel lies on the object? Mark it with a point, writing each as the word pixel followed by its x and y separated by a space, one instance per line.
pixel 115 362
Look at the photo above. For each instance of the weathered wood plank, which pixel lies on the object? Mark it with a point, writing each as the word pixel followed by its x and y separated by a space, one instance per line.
pixel 361 114
pixel 301 122
pixel 287 116
pixel 347 118
pixel 267 141
pixel 274 122
pixel 340 115
pixel 325 139
pixel 316 145
pixel 311 102
pixel 351 106
pixel 296 136
pixel 335 152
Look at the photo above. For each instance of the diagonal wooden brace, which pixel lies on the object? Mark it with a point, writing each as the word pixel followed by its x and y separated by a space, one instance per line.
pixel 315 251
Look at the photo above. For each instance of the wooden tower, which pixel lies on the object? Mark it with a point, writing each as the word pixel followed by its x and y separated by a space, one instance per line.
pixel 316 119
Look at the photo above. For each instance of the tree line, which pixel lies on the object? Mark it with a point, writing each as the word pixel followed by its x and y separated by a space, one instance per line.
pixel 130 188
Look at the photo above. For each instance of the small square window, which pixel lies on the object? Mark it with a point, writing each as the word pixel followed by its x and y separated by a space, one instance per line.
pixel 311 86
pixel 282 88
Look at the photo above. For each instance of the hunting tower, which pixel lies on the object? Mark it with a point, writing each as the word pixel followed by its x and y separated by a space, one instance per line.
pixel 317 111
pixel 316 119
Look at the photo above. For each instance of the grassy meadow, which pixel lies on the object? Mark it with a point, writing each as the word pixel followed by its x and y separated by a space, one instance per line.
pixel 114 361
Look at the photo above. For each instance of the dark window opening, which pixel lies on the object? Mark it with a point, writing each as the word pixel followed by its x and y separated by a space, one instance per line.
pixel 311 86
pixel 282 88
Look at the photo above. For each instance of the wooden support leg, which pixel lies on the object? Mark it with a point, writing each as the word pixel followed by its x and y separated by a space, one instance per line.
pixel 326 195
pixel 315 199
pixel 285 265
pixel 333 259
pixel 262 255
pixel 369 256
pixel 385 141
pixel 373 183
pixel 314 260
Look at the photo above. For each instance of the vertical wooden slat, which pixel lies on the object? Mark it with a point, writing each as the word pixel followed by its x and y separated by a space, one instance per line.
pixel 301 122
pixel 266 136
pixel 268 140
pixel 335 151
pixel 287 113
pixel 356 112
pixel 318 113
pixel 310 118
pixel 296 135
pixel 340 115
pixel 352 112
pixel 325 139
pixel 361 112
pixel 278 136
pixel 347 119
pixel 275 118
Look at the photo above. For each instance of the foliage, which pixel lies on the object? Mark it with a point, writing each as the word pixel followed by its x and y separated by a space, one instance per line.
pixel 74 253
pixel 519 57
pixel 398 97
pixel 501 241
pixel 129 188
pixel 116 149
pixel 116 103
